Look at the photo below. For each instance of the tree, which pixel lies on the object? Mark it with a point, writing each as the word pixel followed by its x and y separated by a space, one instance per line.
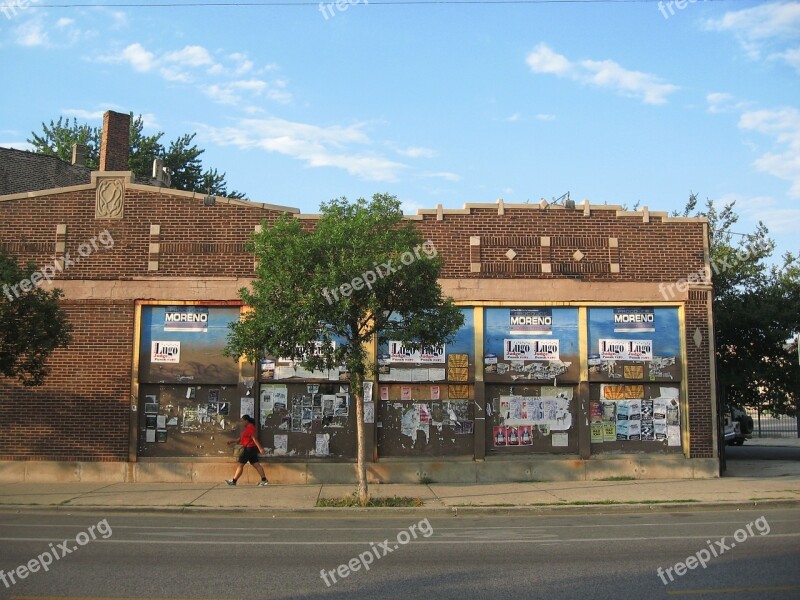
pixel 362 271
pixel 756 312
pixel 182 156
pixel 32 324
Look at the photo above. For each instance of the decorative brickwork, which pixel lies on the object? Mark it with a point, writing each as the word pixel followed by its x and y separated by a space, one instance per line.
pixel 167 238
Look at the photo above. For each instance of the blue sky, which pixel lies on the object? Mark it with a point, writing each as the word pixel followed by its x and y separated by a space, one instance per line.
pixel 617 102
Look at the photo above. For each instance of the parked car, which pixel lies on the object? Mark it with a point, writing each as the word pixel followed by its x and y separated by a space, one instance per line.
pixel 738 426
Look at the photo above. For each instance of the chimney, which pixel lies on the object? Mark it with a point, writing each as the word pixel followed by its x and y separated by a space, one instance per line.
pixel 115 143
pixel 79 155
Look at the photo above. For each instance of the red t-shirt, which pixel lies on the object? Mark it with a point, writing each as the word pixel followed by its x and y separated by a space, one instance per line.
pixel 247 436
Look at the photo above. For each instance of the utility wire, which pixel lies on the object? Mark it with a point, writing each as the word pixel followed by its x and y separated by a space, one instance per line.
pixel 279 3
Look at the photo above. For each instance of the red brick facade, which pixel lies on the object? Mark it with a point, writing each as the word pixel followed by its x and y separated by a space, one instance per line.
pixel 197 253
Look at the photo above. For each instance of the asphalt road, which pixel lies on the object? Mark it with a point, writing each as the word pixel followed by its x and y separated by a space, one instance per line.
pixel 747 452
pixel 486 556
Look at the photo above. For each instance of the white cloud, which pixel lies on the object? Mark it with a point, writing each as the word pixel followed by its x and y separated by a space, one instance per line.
pixel 31 33
pixel 545 117
pixel 135 55
pixel 194 64
pixel 314 145
pixel 220 94
pixel 722 102
pixel 418 152
pixel 603 74
pixel 254 85
pixel 85 115
pixel 18 146
pixel 410 207
pixel 514 118
pixel 783 125
pixel 766 209
pixel 64 22
pixel 243 64
pixel 544 60
pixel 765 24
pixel 791 57
pixel 190 56
pixel 445 175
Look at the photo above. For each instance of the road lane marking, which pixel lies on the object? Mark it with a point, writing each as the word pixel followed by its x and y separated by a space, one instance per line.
pixel 361 542
pixel 777 588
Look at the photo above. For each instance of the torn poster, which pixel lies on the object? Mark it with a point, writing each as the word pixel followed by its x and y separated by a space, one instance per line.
pixel 369 412
pixel 368 385
pixel 323 444
pixel 673 435
pixel 596 431
pixel 247 406
pixel 281 443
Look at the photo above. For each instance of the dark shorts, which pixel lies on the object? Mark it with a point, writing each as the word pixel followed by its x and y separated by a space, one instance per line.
pixel 250 455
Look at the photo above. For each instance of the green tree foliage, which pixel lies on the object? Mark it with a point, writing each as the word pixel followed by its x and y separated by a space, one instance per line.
pixel 756 312
pixel 32 324
pixel 57 139
pixel 182 156
pixel 310 287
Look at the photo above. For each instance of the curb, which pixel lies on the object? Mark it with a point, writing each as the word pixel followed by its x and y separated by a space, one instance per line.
pixel 443 511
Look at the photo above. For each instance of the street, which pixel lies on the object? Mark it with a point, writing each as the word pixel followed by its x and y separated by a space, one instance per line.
pixel 747 553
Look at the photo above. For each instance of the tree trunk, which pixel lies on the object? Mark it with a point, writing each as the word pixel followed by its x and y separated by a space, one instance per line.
pixel 357 389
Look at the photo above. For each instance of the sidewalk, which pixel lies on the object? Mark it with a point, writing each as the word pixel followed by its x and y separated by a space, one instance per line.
pixel 747 484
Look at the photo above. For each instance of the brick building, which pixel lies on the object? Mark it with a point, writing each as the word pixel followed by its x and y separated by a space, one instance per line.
pixel 584 354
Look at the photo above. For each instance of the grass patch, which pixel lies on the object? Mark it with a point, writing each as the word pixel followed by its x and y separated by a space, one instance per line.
pixel 352 501
pixel 607 502
pixel 426 480
pixel 497 504
pixel 617 478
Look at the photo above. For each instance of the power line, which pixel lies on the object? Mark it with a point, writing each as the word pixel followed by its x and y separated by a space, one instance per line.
pixel 278 3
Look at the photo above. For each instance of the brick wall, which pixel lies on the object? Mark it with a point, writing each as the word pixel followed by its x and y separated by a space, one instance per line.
pixel 698 374
pixel 115 141
pixel 90 386
pixel 82 410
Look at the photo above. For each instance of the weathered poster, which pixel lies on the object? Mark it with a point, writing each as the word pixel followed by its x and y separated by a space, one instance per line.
pixel 322 444
pixel 673 435
pixel 186 318
pixel 452 362
pixel 634 320
pixel 609 431
pixel 634 343
pixel 247 406
pixel 531 344
pixel 399 353
pixel 369 412
pixel 551 409
pixel 281 443
pixel 525 321
pixel 180 344
pixel 596 431
pixel 529 349
pixel 165 352
pixel 624 349
pixel 368 385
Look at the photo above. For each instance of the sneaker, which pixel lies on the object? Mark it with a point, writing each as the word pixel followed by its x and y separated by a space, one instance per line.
pixel 263 483
pixel 230 481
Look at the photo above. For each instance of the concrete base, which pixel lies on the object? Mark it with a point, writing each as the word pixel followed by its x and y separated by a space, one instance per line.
pixel 495 469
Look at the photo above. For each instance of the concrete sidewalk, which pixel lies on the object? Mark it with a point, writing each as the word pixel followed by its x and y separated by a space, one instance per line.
pixel 770 482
